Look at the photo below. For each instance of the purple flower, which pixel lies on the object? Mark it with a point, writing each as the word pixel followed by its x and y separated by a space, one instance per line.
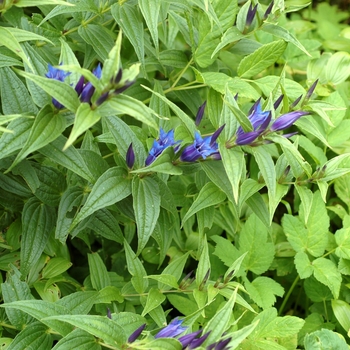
pixel 130 157
pixel 88 89
pixel 57 74
pixel 198 342
pixel 202 147
pixel 136 333
pixel 173 329
pixel 187 339
pixel 259 120
pixel 251 14
pixel 200 113
pixel 268 10
pixel 220 345
pixel 286 120
pixel 311 90
pixel 166 139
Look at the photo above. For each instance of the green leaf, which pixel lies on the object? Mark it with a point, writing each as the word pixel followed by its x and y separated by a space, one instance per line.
pixel 15 98
pixel 203 262
pixel 34 336
pixel 253 239
pixel 77 340
pixel 38 223
pixel 85 118
pixel 327 273
pixel 98 272
pixel 124 104
pixel 27 3
pixel 337 69
pixel 324 339
pixel 40 309
pixel 186 120
pixel 67 56
pixel 341 311
pixel 312 237
pixel 150 12
pixel 263 291
pixel 154 299
pixel 55 267
pixel 342 237
pixel 284 34
pixel 111 187
pixel 70 158
pixel 209 195
pixel 46 128
pixel 231 35
pixel 60 91
pixel 164 344
pixel 98 37
pixel 303 264
pixel 261 59
pixel 136 270
pixel 146 204
pixel 9 41
pixel 316 291
pixel 129 20
pixel 99 326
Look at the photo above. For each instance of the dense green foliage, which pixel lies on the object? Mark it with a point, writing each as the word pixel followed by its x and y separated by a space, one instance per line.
pixel 174 158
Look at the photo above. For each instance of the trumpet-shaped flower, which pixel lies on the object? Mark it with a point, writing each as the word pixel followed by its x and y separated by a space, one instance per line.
pixel 173 329
pixel 57 74
pixel 287 120
pixel 202 147
pixel 88 89
pixel 259 120
pixel 166 139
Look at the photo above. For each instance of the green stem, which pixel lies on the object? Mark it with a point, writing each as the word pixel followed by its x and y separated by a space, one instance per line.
pixel 285 300
pixel 182 72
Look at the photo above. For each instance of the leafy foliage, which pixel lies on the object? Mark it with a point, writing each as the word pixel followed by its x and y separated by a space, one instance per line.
pixel 174 175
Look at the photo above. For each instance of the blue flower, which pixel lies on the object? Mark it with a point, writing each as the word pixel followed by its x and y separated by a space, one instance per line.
pixel 136 333
pixel 88 89
pixel 202 147
pixel 166 139
pixel 172 330
pixel 57 74
pixel 200 113
pixel 130 157
pixel 259 120
pixel 287 120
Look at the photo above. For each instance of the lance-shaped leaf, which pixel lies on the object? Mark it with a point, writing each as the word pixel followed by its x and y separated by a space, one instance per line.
pixel 111 187
pixel 26 3
pixel 77 340
pixel 209 195
pixel 59 90
pixel 46 128
pixel 85 118
pixel 38 222
pixel 136 270
pixel 146 203
pixel 99 326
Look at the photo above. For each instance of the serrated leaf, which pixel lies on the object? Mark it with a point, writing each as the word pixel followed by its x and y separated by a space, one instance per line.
pixel 263 290
pixel 146 204
pixel 123 104
pixel 85 118
pixel 303 264
pixel 284 34
pixel 99 326
pixel 324 339
pixel 111 187
pixel 77 340
pixel 98 272
pixel 60 91
pixel 129 20
pixel 150 12
pixel 261 59
pixel 327 273
pixel 136 270
pixel 38 223
pixel 34 335
pixel 209 195
pixel 253 239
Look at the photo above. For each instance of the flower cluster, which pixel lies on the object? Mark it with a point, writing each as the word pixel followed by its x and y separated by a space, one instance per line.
pixel 85 90
pixel 188 341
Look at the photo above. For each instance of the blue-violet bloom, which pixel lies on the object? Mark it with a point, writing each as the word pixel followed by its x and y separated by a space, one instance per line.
pixel 57 74
pixel 173 329
pixel 259 120
pixel 88 89
pixel 130 157
pixel 136 333
pixel 287 120
pixel 202 147
pixel 251 14
pixel 187 339
pixel 200 113
pixel 166 139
